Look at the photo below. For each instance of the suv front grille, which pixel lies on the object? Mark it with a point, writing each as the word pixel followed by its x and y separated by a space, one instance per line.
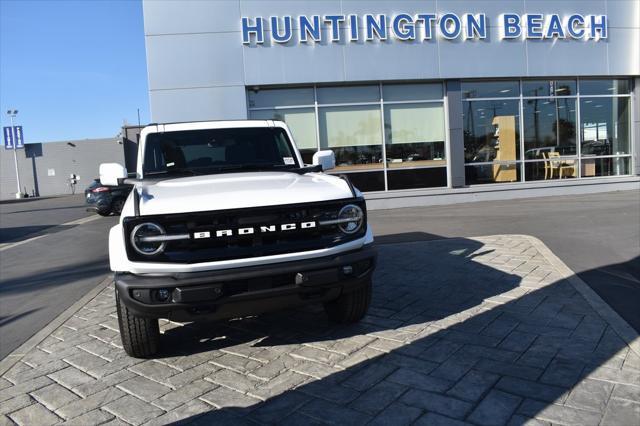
pixel 216 247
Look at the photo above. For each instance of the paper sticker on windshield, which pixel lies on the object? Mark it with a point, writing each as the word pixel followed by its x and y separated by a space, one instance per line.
pixel 288 160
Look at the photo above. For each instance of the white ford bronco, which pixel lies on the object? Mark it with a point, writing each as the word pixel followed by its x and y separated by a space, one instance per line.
pixel 226 221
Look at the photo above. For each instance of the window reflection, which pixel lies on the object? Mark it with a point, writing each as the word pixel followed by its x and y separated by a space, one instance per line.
pixel 354 133
pixel 484 122
pixel 414 137
pixel 271 97
pixel 550 136
pixel 603 86
pixel 549 88
pixel 491 134
pixel 611 166
pixel 301 122
pixel 490 89
pixel 604 126
pixel 492 173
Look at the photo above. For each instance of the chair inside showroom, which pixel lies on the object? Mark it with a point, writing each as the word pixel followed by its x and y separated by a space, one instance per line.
pixel 553 163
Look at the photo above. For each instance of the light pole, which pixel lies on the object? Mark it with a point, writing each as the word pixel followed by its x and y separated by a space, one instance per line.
pixel 12 113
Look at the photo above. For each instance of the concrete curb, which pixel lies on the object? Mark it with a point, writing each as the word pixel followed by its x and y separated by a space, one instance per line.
pixel 15 356
pixel 627 333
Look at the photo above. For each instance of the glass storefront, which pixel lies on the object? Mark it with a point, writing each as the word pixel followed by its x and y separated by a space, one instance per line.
pixel 392 136
pixel 384 136
pixel 570 128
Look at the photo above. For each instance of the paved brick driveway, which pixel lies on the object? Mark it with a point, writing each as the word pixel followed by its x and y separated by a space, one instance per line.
pixel 461 331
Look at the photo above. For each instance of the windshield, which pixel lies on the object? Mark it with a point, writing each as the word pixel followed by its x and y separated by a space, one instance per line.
pixel 194 152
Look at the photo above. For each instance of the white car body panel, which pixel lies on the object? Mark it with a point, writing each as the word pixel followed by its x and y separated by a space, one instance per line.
pixel 226 191
pixel 239 190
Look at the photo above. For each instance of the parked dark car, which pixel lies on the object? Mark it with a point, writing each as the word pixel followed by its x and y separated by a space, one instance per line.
pixel 104 199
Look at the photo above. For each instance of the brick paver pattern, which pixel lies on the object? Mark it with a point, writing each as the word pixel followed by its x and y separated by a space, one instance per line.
pixel 463 331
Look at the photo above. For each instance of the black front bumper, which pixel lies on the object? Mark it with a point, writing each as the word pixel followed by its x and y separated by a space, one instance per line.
pixel 245 291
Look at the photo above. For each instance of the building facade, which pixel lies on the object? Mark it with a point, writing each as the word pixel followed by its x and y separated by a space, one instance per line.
pixel 417 97
pixel 45 168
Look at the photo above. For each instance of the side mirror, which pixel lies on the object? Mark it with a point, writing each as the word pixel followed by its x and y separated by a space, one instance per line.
pixel 326 159
pixel 111 172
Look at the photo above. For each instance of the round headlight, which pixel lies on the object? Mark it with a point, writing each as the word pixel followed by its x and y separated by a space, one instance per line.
pixel 350 218
pixel 142 239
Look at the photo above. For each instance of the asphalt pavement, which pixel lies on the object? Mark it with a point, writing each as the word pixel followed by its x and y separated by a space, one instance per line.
pixel 44 276
pixel 596 235
pixel 19 219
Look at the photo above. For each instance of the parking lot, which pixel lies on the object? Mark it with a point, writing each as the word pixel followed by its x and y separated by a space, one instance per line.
pixel 489 329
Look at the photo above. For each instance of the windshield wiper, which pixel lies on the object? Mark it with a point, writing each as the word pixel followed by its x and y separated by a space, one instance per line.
pixel 173 172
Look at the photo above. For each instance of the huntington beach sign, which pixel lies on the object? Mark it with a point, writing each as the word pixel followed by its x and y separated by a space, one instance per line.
pixel 422 27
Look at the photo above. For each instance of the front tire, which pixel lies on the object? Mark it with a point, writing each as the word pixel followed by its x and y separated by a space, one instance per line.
pixel 140 336
pixel 350 307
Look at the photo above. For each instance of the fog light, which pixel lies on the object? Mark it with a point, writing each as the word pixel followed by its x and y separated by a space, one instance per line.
pixel 163 295
pixel 347 270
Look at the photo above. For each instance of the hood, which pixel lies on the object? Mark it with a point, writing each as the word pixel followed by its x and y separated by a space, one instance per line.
pixel 238 190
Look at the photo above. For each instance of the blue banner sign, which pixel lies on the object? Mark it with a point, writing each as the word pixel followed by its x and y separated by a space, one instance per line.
pixel 421 26
pixel 8 138
pixel 18 137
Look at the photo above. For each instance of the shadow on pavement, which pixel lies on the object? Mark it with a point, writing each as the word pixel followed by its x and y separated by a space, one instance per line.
pixel 78 207
pixel 448 336
pixel 8 319
pixel 619 285
pixel 17 233
pixel 53 277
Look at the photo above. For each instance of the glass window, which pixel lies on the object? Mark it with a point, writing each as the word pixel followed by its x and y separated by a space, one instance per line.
pixel 411 92
pixel 301 122
pixel 604 87
pixel 281 97
pixel 498 172
pixel 430 177
pixel 549 88
pixel 414 135
pixel 189 152
pixel 553 166
pixel 610 166
pixel 549 126
pixel 491 131
pixel 354 133
pixel 490 89
pixel 491 135
pixel 367 181
pixel 345 95
pixel 605 126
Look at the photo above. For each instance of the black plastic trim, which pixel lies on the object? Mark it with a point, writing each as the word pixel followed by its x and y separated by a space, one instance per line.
pixel 325 279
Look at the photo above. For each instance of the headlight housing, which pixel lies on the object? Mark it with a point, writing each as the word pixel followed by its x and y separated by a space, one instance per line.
pixel 350 219
pixel 143 241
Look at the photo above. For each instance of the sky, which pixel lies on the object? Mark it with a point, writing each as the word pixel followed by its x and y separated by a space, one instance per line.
pixel 73 69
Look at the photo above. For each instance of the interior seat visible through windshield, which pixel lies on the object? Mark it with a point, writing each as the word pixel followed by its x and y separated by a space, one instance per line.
pixel 211 150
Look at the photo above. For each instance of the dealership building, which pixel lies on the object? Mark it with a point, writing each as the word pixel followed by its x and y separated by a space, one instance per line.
pixel 421 101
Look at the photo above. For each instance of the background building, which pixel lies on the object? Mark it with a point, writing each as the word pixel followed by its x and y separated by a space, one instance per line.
pixel 417 98
pixel 45 167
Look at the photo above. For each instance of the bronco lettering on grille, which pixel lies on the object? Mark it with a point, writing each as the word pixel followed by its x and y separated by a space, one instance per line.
pixel 252 230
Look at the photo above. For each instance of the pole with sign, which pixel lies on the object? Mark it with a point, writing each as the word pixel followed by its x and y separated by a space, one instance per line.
pixel 12 138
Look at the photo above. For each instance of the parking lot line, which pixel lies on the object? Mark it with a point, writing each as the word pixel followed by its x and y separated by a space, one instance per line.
pixel 81 221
